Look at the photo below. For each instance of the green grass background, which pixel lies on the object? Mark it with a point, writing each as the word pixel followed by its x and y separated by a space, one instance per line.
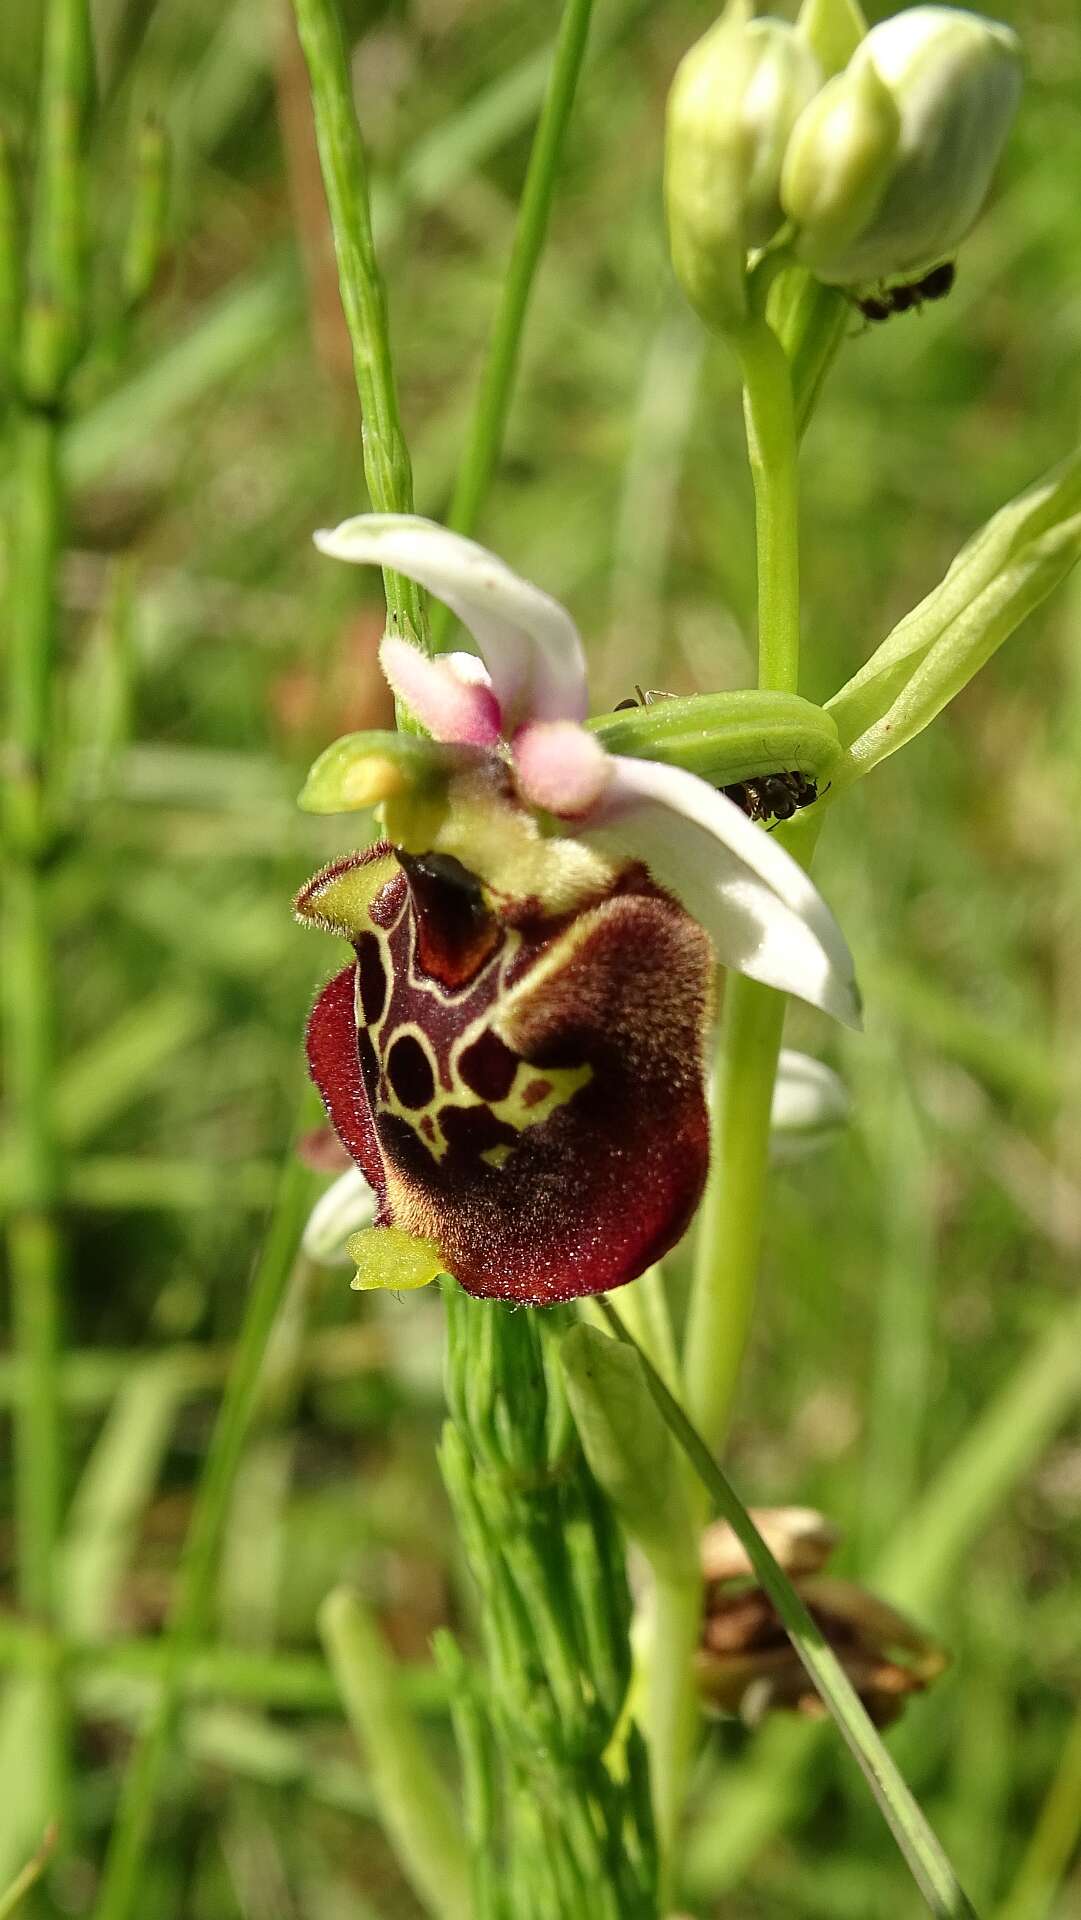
pixel 919 1280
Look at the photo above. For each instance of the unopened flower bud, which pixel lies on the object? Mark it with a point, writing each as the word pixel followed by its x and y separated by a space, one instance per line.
pixel 889 165
pixel 734 102
pixel 838 163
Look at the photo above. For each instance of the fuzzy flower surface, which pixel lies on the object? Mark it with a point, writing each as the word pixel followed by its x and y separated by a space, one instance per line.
pixel 515 1058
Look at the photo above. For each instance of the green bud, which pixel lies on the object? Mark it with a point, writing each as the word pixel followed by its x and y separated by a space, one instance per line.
pixel 630 1449
pixel 735 99
pixel 873 196
pixel 838 163
pixel 726 737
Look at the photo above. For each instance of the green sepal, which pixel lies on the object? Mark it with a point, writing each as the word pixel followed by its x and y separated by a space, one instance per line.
pixel 998 578
pixel 810 321
pixel 365 769
pixel 726 737
pixel 833 30
pixel 630 1449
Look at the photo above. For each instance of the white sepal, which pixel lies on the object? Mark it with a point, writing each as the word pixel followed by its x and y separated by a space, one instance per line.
pixel 764 915
pixel 529 643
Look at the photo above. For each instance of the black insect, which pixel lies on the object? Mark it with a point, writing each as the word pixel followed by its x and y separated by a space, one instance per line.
pixel 773 796
pixel 890 300
pixel 647 697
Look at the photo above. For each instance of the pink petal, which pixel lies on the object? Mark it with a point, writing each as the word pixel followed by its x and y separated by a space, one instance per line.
pixel 446 704
pixel 765 916
pixel 560 767
pixel 530 644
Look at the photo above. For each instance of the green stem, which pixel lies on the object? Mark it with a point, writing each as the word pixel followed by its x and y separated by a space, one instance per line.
pixel 195 1581
pixel 732 1212
pixel 671 1712
pixel 730 1222
pixel 387 466
pixel 489 417
pixel 773 450
pixel 921 1850
pixel 34 1243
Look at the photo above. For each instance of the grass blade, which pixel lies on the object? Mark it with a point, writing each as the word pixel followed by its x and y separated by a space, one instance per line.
pixel 921 1850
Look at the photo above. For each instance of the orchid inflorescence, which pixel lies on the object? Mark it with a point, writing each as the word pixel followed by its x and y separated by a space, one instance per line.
pixel 516 1058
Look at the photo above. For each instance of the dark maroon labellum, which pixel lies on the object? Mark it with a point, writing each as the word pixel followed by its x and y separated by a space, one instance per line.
pixel 524 1091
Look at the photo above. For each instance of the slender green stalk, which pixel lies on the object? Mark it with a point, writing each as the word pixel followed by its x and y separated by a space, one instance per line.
pixel 16 1893
pixel 489 419
pixel 922 1853
pixel 35 1253
pixel 387 465
pixel 414 1804
pixel 50 338
pixel 195 1581
pixel 722 1297
pixel 730 1223
pixel 1054 1838
pixel 55 315
pixel 772 446
pixel 731 1217
pixel 10 263
pixel 671 1710
pixel 916 1571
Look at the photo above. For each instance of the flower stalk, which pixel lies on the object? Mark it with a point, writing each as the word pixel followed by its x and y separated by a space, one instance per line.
pixel 47 335
pixel 772 448
pixel 488 420
pixel 387 466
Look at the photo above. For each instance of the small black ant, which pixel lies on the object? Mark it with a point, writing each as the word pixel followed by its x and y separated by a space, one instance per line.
pixel 890 300
pixel 773 796
pixel 648 698
pixel 765 796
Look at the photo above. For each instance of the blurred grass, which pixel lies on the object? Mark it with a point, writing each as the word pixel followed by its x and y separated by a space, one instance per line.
pixel 920 1280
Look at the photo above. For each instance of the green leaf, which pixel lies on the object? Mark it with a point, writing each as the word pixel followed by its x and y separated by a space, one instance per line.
pixel 922 1853
pixel 1002 574
pixel 413 1800
pixel 630 1449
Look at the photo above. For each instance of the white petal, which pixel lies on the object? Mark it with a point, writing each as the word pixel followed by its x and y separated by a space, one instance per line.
pixel 810 1102
pixel 765 917
pixel 529 643
pixel 344 1209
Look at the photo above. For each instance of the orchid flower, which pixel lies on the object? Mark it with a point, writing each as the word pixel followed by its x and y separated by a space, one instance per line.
pixel 516 1058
